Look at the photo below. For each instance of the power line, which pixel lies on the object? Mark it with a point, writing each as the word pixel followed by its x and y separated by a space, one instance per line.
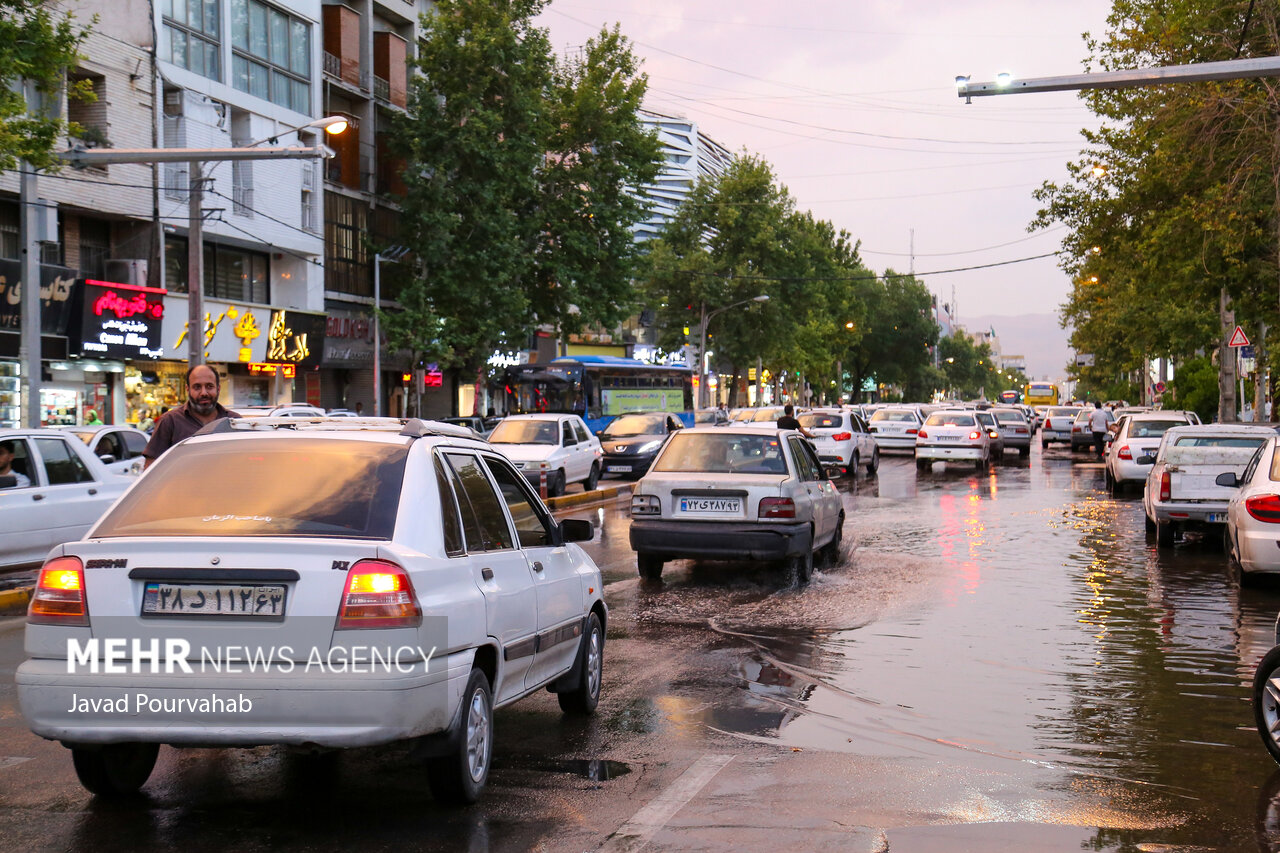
pixel 871 276
pixel 863 251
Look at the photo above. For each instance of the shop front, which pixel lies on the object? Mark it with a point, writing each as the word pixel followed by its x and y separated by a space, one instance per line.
pixel 347 370
pixel 115 325
pixel 63 397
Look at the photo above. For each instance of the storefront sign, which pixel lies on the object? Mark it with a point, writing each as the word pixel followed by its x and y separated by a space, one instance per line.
pixel 56 304
pixel 228 330
pixel 294 337
pixel 348 340
pixel 120 321
pixel 288 371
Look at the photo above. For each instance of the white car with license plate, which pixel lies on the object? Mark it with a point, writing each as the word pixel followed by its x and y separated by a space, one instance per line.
pixel 316 584
pixel 842 439
pixel 1253 513
pixel 736 493
pixel 62 491
pixel 1015 430
pixel 1138 435
pixel 1056 427
pixel 953 435
pixel 894 428
pixel 559 447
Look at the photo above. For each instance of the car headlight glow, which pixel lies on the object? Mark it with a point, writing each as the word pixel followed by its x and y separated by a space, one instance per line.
pixel 649 446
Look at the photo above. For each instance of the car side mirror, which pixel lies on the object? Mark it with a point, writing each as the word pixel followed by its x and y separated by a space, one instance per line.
pixel 832 473
pixel 1146 460
pixel 107 458
pixel 1228 479
pixel 576 530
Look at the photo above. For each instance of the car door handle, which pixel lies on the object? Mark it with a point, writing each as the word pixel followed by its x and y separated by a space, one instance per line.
pixel 37 497
pixel 537 566
pixel 93 491
pixel 487 574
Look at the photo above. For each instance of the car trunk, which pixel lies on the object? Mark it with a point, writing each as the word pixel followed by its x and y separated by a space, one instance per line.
pixel 714 497
pixel 1193 470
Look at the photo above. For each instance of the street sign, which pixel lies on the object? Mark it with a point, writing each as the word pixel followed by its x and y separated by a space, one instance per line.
pixel 1247 351
pixel 1238 338
pixel 1084 359
pixel 1160 387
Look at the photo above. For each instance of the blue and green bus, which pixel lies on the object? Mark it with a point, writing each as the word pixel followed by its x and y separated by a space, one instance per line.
pixel 599 388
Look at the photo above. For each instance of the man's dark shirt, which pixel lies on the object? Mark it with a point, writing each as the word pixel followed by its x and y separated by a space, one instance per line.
pixel 176 425
pixel 788 422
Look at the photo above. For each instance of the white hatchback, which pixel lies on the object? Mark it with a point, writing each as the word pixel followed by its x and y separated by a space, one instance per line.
pixel 953 435
pixel 1253 513
pixel 842 439
pixel 557 447
pixel 316 584
pixel 894 428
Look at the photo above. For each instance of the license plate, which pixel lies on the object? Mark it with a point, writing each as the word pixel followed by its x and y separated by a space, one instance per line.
pixel 214 600
pixel 948 438
pixel 1217 516
pixel 618 469
pixel 715 506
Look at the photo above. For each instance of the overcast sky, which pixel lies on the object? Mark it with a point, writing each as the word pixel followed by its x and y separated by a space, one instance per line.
pixel 853 102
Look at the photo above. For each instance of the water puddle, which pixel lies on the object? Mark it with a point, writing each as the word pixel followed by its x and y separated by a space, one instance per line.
pixel 594 769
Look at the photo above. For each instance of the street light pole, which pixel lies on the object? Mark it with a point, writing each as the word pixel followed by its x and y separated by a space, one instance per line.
pixel 702 348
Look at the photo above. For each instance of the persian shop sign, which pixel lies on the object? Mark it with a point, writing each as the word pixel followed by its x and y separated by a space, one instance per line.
pixel 56 303
pixel 295 337
pixel 120 320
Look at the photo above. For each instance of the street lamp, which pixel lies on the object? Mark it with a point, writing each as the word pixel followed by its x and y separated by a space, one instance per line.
pixel 702 349
pixel 391 254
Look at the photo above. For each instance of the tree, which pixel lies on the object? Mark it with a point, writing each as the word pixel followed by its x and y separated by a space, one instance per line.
pixel 38 44
pixel 894 348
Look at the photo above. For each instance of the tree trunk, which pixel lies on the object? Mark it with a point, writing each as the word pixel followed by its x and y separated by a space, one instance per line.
pixel 1259 376
pixel 733 388
pixel 1226 361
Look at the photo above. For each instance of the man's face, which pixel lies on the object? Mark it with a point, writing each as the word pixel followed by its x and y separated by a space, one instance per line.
pixel 6 458
pixel 202 390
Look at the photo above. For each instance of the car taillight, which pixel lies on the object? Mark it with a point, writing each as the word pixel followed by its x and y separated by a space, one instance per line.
pixel 776 508
pixel 993 434
pixel 1048 424
pixel 975 435
pixel 922 434
pixel 59 594
pixel 913 431
pixel 378 595
pixel 1164 486
pixel 1020 431
pixel 1264 508
pixel 1124 452
pixel 842 436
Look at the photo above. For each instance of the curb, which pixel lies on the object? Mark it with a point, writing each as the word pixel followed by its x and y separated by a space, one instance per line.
pixel 592 497
pixel 14 601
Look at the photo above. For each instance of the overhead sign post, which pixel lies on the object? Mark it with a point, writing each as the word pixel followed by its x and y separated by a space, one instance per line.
pixel 1238 338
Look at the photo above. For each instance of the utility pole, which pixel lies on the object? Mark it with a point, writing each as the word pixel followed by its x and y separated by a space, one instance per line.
pixel 195 266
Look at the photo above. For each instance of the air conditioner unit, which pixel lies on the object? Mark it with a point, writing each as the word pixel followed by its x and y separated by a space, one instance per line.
pixel 130 271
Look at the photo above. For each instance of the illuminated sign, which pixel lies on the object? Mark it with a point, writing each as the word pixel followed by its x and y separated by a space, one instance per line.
pixel 120 320
pixel 246 330
pixel 295 338
pixel 288 371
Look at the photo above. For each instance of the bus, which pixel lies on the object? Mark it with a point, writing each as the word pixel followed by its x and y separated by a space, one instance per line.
pixel 599 388
pixel 1041 394
pixel 1010 397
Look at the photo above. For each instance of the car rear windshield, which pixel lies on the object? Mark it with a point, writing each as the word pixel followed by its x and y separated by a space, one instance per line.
pixel 525 432
pixel 1152 429
pixel 1063 410
pixel 636 425
pixel 266 486
pixel 950 419
pixel 899 416
pixel 819 420
pixel 1011 417
pixel 763 415
pixel 720 453
pixel 1220 440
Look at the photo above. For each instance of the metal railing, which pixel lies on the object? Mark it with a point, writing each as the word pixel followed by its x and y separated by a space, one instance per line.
pixel 332 65
pixel 381 89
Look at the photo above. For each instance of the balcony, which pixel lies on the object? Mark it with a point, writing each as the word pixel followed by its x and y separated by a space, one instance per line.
pixel 382 89
pixel 332 65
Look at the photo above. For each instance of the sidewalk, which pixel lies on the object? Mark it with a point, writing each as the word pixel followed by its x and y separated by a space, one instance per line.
pixel 15 590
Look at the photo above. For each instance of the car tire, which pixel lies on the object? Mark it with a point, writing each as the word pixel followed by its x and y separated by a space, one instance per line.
pixel 584 698
pixel 115 770
pixel 1113 488
pixel 1166 533
pixel 649 566
pixel 874 464
pixel 831 551
pixel 1024 452
pixel 1266 700
pixel 800 566
pixel 555 487
pixel 593 479
pixel 458 778
pixel 1044 445
pixel 852 469
pixel 923 465
pixel 1151 525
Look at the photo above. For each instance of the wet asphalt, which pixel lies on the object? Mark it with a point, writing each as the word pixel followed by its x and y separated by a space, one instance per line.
pixel 1000 661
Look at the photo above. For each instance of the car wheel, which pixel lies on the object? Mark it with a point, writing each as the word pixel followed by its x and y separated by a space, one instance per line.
pixel 593 479
pixel 1266 700
pixel 555 488
pixel 1110 482
pixel 800 566
pixel 1024 452
pixel 1044 445
pixel 584 698
pixel 459 778
pixel 115 770
pixel 874 464
pixel 1166 533
pixel 831 551
pixel 650 566
pixel 923 465
pixel 852 469
pixel 981 463
pixel 1151 525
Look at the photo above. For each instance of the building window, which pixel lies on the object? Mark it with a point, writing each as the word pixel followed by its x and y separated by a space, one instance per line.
pixel 10 242
pixel 236 275
pixel 346 225
pixel 271 54
pixel 95 247
pixel 190 36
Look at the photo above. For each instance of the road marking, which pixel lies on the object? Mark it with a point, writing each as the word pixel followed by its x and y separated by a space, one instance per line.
pixel 644 824
pixel 11 761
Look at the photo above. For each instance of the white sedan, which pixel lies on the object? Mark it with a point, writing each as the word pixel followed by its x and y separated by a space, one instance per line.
pixel 559 447
pixel 62 491
pixel 894 428
pixel 735 493
pixel 360 584
pixel 953 435
pixel 1253 513
pixel 118 447
pixel 842 439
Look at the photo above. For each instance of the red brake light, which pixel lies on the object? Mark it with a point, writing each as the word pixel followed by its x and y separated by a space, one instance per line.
pixel 922 434
pixel 1124 452
pixel 842 436
pixel 776 508
pixel 913 431
pixel 1164 486
pixel 378 595
pixel 59 595
pixel 1264 508
pixel 975 435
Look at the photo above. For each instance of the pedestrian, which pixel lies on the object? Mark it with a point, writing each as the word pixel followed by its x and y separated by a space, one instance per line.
pixel 91 418
pixel 202 408
pixel 1098 422
pixel 359 410
pixel 6 466
pixel 788 421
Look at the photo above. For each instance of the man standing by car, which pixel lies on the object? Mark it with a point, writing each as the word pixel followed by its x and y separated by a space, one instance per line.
pixel 1098 423
pixel 788 421
pixel 202 408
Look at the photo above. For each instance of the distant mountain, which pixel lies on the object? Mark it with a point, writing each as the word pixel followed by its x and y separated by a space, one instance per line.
pixel 1038 337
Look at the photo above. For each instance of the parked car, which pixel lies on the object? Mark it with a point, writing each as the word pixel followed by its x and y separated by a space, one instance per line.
pixel 735 493
pixel 842 439
pixel 710 417
pixel 557 446
pixel 1015 431
pixel 987 418
pixel 631 442
pixel 413 541
pixel 1182 491
pixel 473 422
pixel 1058 421
pixel 290 410
pixel 765 417
pixel 1253 513
pixel 894 428
pixel 68 489
pixel 1082 432
pixel 953 434
pixel 1138 434
pixel 118 447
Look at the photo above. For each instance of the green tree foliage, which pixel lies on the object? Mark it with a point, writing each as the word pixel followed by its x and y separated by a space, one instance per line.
pixel 38 43
pixel 515 171
pixel 893 347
